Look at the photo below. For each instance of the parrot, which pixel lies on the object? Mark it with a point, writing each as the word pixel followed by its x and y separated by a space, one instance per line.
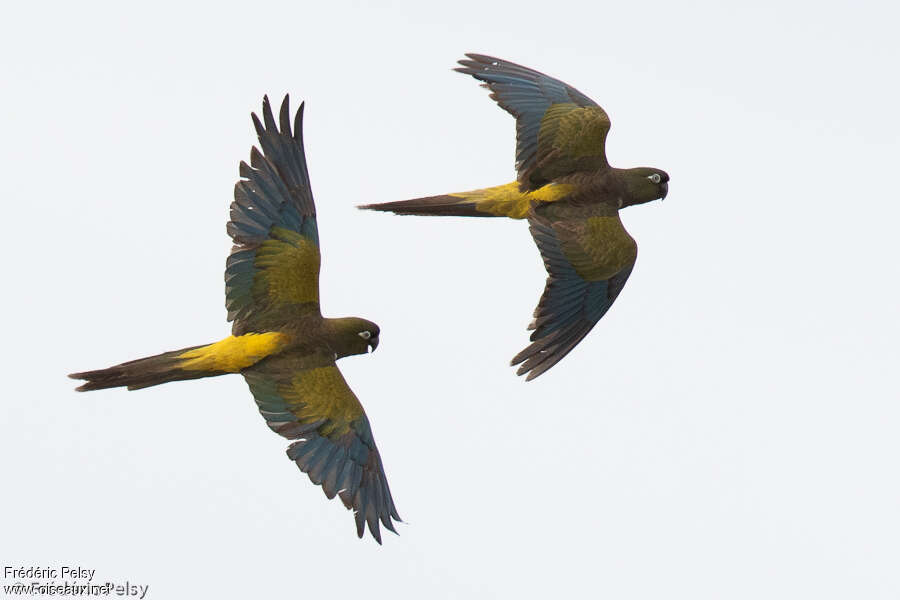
pixel 280 342
pixel 569 194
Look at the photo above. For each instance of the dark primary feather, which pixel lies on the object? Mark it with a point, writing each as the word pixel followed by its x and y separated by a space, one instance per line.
pixel 284 149
pixel 569 307
pixel 526 94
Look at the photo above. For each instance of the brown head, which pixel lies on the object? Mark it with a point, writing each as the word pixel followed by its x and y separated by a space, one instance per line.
pixel 643 184
pixel 351 335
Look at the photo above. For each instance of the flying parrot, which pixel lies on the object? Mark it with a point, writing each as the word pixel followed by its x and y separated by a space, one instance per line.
pixel 570 195
pixel 282 345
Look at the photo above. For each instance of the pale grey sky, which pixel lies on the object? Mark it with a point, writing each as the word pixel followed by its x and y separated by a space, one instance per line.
pixel 729 430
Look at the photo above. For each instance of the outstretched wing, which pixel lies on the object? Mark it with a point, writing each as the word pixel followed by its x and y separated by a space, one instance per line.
pixel 588 258
pixel 272 273
pixel 304 398
pixel 559 130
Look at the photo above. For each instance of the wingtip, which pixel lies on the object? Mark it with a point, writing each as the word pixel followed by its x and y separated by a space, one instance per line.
pixel 298 123
pixel 389 526
pixel 361 531
pixel 485 59
pixel 257 124
pixel 284 115
pixel 529 371
pixel 376 533
pixel 473 62
pixel 518 358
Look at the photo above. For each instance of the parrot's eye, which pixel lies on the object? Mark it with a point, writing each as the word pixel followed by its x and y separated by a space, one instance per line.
pixel 655 178
pixel 365 334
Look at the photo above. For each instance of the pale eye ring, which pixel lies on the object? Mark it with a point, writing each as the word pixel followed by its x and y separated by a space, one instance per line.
pixel 655 178
pixel 365 334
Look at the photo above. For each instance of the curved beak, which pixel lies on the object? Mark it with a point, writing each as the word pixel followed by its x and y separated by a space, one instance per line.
pixel 665 190
pixel 373 343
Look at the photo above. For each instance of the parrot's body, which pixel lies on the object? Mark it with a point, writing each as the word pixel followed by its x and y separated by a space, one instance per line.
pixel 570 195
pixel 280 342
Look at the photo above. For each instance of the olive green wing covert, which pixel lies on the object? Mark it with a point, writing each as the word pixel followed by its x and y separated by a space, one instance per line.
pixel 588 257
pixel 304 397
pixel 272 272
pixel 559 130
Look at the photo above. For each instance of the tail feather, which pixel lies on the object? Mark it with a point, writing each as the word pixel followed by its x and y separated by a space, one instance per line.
pixel 505 200
pixel 229 355
pixel 142 373
pixel 438 206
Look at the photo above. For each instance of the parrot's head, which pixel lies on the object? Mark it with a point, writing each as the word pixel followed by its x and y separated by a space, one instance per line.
pixel 352 335
pixel 644 184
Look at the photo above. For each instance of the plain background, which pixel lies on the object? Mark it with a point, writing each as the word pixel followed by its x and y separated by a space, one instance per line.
pixel 729 430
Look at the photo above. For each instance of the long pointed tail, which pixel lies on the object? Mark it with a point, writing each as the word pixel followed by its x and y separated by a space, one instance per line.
pixel 498 201
pixel 226 356
pixel 436 206
pixel 141 373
